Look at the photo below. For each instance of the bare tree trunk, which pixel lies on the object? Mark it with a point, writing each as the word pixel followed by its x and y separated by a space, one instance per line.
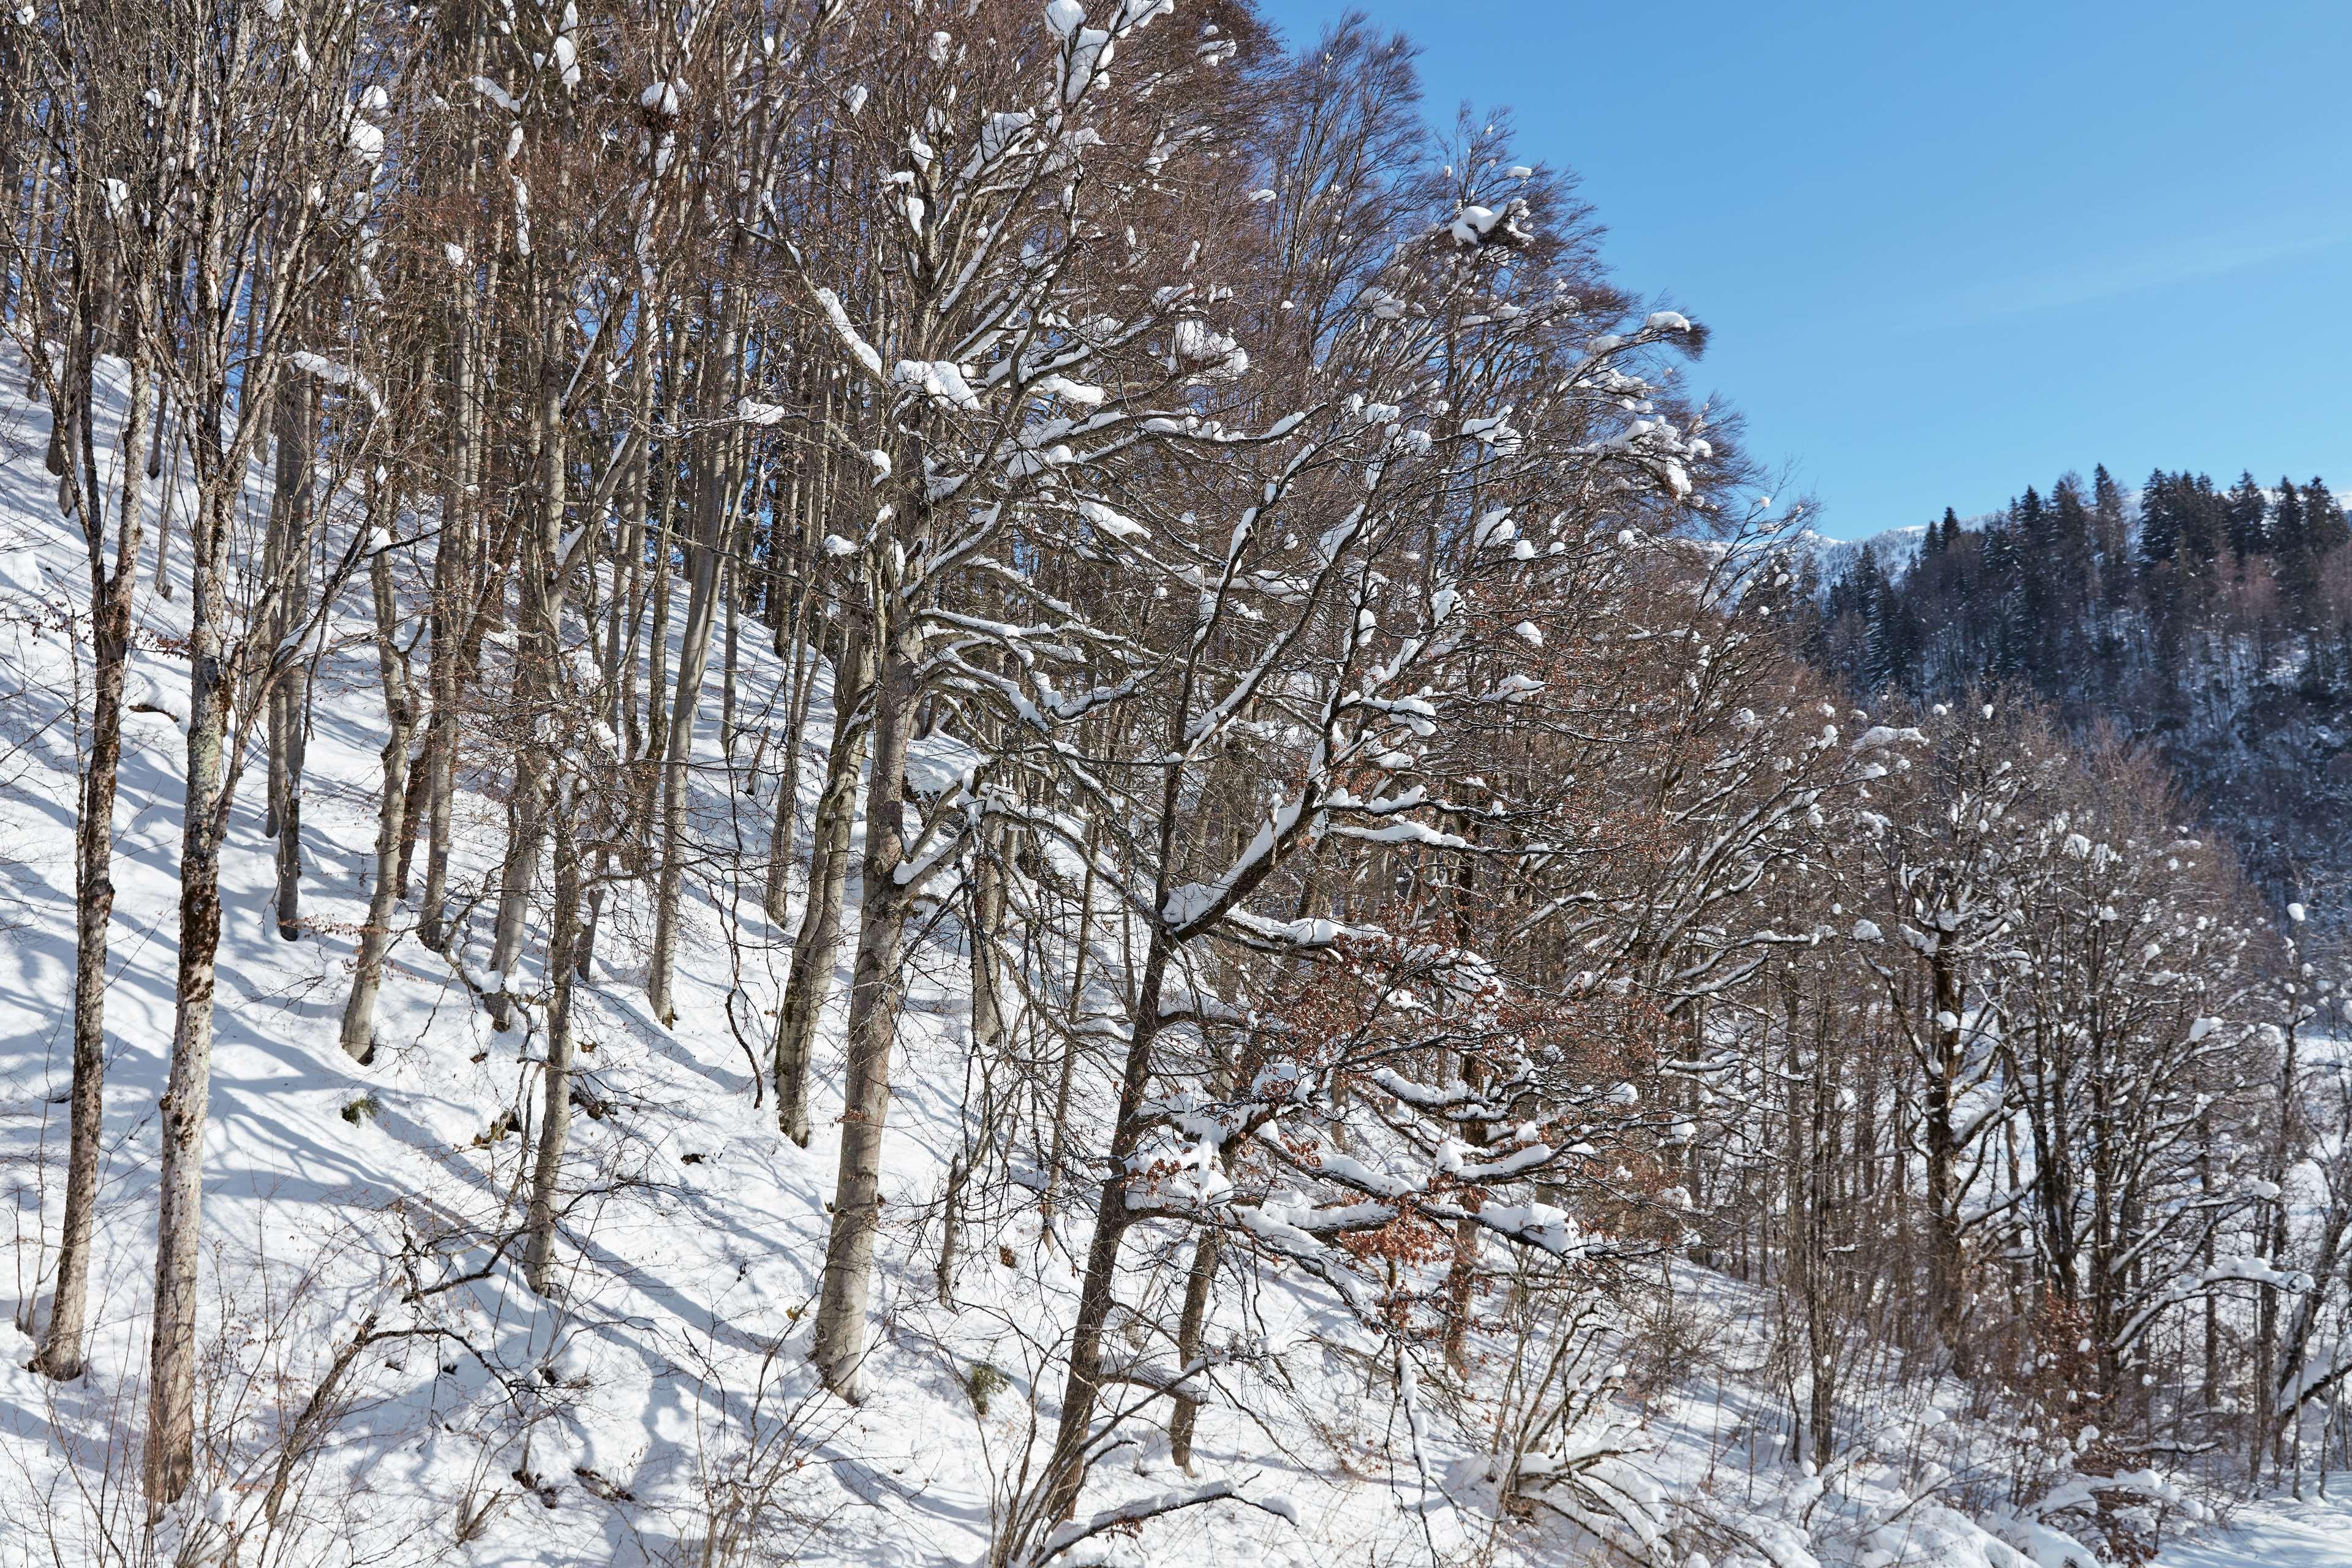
pixel 627 601
pixel 1058 1148
pixel 801 641
pixel 520 868
pixel 1947 1279
pixel 111 592
pixel 987 913
pixel 1190 1330
pixel 1462 1271
pixel 537 653
pixel 412 810
pixel 874 1003
pixel 787 580
pixel 290 511
pixel 294 695
pixel 951 1226
pixel 172 1368
pixel 555 1115
pixel 2209 1383
pixel 666 506
pixel 164 504
pixel 440 761
pixel 622 614
pixel 731 595
pixel 400 709
pixel 1066 1467
pixel 775 896
pixel 810 983
pixel 694 654
pixel 2273 1375
pixel 451 593
pixel 987 916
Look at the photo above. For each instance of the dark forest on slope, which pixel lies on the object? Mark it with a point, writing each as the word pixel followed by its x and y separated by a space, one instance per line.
pixel 2214 625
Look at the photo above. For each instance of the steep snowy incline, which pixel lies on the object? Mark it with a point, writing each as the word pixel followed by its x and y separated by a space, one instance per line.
pixel 659 1407
pixel 662 1399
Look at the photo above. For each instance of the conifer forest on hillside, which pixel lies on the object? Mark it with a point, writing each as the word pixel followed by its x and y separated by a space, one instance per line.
pixel 2213 626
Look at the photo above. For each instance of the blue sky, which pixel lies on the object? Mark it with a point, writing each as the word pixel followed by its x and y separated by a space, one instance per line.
pixel 1948 250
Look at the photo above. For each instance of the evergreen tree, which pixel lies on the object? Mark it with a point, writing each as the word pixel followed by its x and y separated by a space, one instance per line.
pixel 2035 604
pixel 2309 526
pixel 2111 535
pixel 2322 519
pixel 2033 520
pixel 2000 606
pixel 1898 634
pixel 2201 513
pixel 1840 639
pixel 2246 517
pixel 2067 575
pixel 2286 535
pixel 2159 524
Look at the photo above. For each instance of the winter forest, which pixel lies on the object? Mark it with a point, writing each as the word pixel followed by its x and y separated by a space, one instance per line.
pixel 1009 784
pixel 2215 626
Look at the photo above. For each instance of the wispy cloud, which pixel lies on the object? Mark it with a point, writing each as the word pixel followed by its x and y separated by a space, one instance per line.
pixel 2085 280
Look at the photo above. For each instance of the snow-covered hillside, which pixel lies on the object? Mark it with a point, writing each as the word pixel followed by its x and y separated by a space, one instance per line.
pixel 1896 549
pixel 662 1394
pixel 659 1405
pixel 1008 785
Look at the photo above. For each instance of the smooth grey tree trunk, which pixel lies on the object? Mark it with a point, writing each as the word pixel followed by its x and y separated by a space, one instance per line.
pixel 555 1113
pixel 987 916
pixel 164 505
pixel 1058 1148
pixel 537 649
pixel 664 507
pixel 809 985
pixel 1065 1465
pixel 111 592
pixel 693 658
pixel 358 1038
pixel 874 997
pixel 623 610
pixel 1191 1331
pixel 451 593
pixel 775 895
pixel 801 643
pixel 171 1361
pixel 291 503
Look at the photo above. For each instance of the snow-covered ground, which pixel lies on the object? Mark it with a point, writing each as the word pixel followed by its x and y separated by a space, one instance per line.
pixel 659 1407
pixel 668 1383
pixel 2276 1534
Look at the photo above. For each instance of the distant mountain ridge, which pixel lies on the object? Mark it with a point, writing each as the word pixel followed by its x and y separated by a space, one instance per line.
pixel 1894 548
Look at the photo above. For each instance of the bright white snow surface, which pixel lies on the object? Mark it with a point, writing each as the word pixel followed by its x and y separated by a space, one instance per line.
pixel 2277 1533
pixel 670 1380
pixel 662 1399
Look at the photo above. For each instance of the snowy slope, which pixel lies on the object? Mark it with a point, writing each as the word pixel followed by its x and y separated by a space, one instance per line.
pixel 1896 548
pixel 2279 1533
pixel 660 1407
pixel 670 1379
